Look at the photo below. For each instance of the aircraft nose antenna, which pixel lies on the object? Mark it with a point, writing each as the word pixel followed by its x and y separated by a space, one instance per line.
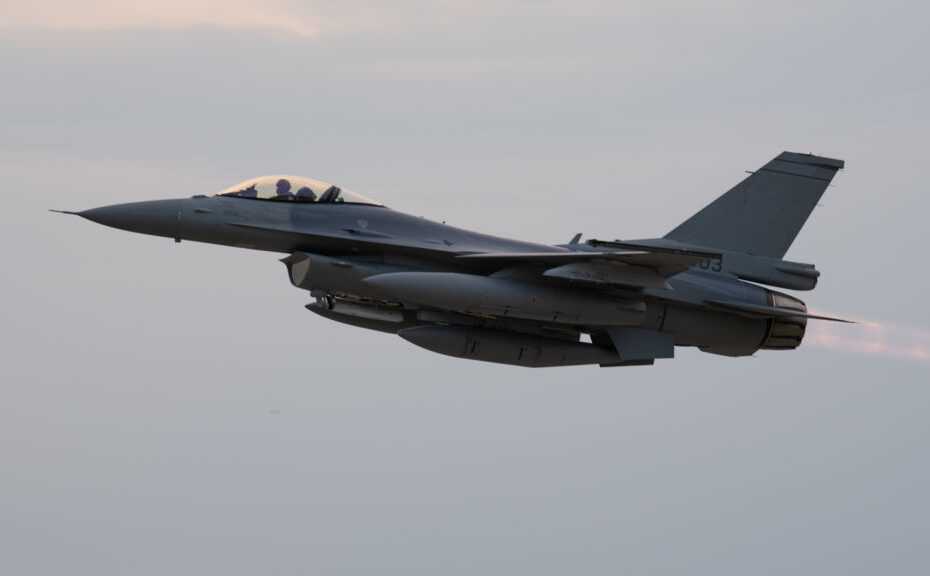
pixel 115 216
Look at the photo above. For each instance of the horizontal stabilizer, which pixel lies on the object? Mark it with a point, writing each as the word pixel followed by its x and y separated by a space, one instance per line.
pixel 759 269
pixel 762 311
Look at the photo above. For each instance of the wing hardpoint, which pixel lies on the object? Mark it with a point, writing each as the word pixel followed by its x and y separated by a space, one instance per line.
pixel 631 265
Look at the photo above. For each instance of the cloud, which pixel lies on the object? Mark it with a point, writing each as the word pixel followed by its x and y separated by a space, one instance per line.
pixel 109 15
pixel 315 17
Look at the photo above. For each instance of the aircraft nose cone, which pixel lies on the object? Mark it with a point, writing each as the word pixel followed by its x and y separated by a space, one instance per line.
pixel 159 217
pixel 106 215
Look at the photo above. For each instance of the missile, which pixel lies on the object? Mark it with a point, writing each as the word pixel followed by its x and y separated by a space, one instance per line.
pixel 373 317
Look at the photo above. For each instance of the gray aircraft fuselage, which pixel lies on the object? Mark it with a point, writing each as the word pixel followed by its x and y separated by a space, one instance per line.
pixel 482 297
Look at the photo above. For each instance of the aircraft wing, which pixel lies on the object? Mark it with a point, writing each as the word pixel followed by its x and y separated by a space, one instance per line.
pixel 631 265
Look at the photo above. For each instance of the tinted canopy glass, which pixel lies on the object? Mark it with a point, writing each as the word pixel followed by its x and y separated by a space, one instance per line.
pixel 295 189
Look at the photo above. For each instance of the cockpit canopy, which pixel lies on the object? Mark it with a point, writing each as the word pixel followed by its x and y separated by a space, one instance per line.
pixel 295 189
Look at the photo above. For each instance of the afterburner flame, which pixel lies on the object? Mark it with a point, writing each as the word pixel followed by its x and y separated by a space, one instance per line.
pixel 872 338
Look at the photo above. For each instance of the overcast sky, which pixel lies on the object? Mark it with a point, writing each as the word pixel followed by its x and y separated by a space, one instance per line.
pixel 173 409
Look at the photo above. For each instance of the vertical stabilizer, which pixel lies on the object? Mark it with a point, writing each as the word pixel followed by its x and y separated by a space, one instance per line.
pixel 763 214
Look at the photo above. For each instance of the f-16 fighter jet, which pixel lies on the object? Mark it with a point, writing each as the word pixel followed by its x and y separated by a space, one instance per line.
pixel 480 297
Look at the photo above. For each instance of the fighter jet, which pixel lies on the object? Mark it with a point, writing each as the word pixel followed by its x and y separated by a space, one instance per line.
pixel 480 297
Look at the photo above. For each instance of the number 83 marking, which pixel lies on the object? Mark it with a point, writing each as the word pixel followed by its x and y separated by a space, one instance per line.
pixel 712 265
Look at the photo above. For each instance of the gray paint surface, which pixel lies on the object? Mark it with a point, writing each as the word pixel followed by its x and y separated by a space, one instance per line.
pixel 177 414
pixel 505 301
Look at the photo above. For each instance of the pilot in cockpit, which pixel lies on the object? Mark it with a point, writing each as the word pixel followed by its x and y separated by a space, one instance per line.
pixel 305 194
pixel 283 189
